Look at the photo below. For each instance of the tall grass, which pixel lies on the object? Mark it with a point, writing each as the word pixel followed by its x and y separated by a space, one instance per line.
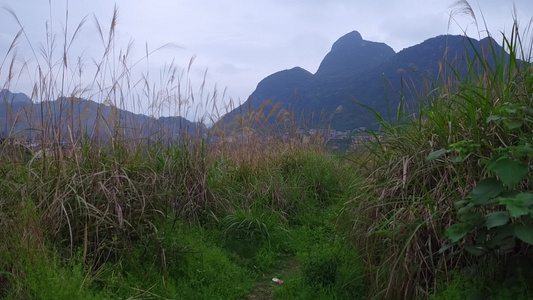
pixel 101 192
pixel 399 222
pixel 149 209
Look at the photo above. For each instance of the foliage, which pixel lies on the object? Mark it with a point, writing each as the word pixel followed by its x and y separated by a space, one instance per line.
pixel 209 216
pixel 468 140
pixel 498 209
pixel 328 269
pixel 481 283
pixel 480 217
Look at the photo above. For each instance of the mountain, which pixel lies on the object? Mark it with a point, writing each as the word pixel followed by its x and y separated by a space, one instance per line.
pixel 20 116
pixel 356 71
pixel 351 55
pixel 8 97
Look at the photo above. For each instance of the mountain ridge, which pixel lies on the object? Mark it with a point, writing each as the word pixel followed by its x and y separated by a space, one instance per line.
pixel 357 71
pixel 20 116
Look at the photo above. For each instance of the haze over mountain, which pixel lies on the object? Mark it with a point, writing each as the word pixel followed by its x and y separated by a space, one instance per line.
pixel 357 70
pixel 354 71
pixel 78 117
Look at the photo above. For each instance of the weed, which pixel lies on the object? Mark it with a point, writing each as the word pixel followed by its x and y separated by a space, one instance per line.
pixel 328 270
pixel 265 258
pixel 403 209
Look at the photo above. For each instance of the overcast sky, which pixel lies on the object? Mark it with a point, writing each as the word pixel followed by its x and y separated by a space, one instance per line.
pixel 239 42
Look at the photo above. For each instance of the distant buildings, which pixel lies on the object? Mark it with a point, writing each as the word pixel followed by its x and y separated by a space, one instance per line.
pixel 334 138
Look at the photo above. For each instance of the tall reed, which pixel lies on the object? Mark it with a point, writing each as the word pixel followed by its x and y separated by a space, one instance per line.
pixel 399 222
pixel 92 181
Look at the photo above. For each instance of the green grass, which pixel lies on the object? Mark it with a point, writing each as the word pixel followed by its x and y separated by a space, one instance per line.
pixel 186 264
pixel 467 284
pixel 48 277
pixel 328 268
pixel 167 219
pixel 148 228
pixel 469 121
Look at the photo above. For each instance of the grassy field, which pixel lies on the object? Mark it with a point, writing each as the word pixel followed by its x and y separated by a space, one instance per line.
pixel 438 206
pixel 178 223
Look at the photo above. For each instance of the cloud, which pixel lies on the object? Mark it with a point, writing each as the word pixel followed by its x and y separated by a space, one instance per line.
pixel 240 43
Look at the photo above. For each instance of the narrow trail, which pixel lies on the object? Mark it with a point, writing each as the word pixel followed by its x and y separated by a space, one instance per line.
pixel 264 288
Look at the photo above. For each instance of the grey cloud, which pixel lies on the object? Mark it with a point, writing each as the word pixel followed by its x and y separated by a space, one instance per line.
pixel 241 42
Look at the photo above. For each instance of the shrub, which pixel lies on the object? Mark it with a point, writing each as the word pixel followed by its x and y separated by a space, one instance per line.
pixel 473 125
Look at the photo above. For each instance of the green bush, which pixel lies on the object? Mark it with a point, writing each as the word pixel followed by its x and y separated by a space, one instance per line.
pixel 320 266
pixel 499 287
pixel 265 258
pixel 456 169
pixel 43 275
pixel 329 269
pixel 183 263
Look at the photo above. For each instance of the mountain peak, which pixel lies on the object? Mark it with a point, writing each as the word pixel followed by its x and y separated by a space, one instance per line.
pixel 350 40
pixel 8 97
pixel 351 54
pixel 355 69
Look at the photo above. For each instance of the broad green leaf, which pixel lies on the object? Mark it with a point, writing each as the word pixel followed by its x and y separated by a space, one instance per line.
pixel 457 232
pixel 490 162
pixel 517 205
pixel 501 233
pixel 498 218
pixel 484 161
pixel 522 150
pixel 493 118
pixel 460 158
pixel 476 250
pixel 471 217
pixel 463 210
pixel 525 198
pixel 485 190
pixel 516 210
pixel 510 109
pixel 460 203
pixel 511 171
pixel 512 124
pixel 509 194
pixel 436 154
pixel 444 248
pixel 524 232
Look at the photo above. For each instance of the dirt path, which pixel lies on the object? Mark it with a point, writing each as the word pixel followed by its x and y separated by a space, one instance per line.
pixel 264 288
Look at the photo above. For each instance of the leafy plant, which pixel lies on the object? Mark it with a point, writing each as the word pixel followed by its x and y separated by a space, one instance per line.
pixel 475 123
pixel 496 212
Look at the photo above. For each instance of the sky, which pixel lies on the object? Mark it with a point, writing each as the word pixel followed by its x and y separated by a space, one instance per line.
pixel 235 44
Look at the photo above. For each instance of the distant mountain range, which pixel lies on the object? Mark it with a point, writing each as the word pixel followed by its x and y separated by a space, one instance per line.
pixel 356 70
pixel 77 117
